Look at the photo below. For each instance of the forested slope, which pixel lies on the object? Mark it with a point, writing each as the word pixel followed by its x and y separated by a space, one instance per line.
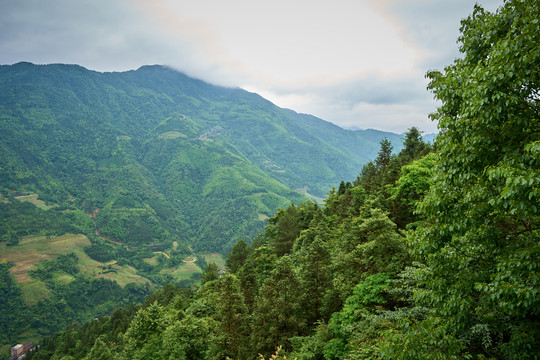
pixel 162 156
pixel 289 287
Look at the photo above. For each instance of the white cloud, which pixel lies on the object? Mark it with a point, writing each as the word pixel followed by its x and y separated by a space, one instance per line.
pixel 353 62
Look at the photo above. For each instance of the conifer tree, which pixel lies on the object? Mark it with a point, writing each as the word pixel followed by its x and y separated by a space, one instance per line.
pixel 277 316
pixel 248 282
pixel 232 317
pixel 237 256
pixel 315 278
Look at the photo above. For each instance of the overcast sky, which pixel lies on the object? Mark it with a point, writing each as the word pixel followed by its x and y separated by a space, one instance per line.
pixel 356 63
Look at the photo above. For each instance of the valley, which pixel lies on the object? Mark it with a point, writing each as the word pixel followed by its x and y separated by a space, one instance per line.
pixel 130 181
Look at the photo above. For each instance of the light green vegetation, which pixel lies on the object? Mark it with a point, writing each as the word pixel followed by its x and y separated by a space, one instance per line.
pixel 189 270
pixel 184 271
pixel 171 135
pixel 152 261
pixel 33 249
pixel 124 275
pixel 34 199
pixel 34 291
pixel 215 258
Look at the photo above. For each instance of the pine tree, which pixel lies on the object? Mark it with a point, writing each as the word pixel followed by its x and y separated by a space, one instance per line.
pixel 232 317
pixel 277 316
pixel 237 256
pixel 315 279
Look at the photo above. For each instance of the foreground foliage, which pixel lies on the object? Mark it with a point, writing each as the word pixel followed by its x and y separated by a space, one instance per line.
pixel 478 244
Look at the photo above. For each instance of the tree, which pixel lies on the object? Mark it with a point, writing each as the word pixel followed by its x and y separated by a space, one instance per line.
pixel 232 319
pixel 410 188
pixel 189 338
pixel 366 245
pixel 277 314
pixel 100 350
pixel 248 281
pixel 315 278
pixel 210 273
pixel 143 336
pixel 237 256
pixel 385 155
pixel 356 319
pixel 414 145
pixel 284 227
pixel 479 242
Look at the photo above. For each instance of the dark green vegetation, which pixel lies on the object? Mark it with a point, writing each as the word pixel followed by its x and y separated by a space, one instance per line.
pixel 367 276
pixel 146 157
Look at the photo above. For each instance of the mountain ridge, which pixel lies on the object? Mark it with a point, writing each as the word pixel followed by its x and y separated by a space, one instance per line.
pixel 160 137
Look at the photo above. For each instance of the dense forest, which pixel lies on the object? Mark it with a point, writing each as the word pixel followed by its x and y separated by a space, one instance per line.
pixel 430 253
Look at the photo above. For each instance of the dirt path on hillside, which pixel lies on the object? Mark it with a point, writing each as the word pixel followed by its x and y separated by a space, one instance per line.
pixel 190 261
pixel 161 252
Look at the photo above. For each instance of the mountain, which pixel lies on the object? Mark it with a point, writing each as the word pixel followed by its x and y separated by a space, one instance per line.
pixel 159 157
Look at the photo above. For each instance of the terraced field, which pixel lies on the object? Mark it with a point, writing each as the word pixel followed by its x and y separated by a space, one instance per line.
pixel 33 249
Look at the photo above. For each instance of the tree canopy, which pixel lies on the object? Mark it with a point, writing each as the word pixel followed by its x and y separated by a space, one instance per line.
pixel 478 244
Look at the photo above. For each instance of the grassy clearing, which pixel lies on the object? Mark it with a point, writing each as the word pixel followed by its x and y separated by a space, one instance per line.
pixel 125 275
pixel 152 261
pixel 34 199
pixel 188 268
pixel 171 135
pixel 189 259
pixel 215 258
pixel 183 271
pixel 34 291
pixel 33 249
pixel 65 278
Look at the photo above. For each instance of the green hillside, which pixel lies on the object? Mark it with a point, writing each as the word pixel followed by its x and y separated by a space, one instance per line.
pixel 129 181
pixel 160 157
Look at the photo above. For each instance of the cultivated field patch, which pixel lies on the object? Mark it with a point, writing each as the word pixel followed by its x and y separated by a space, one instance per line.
pixel 34 199
pixel 215 258
pixel 124 275
pixel 34 291
pixel 171 135
pixel 152 261
pixel 33 249
pixel 184 271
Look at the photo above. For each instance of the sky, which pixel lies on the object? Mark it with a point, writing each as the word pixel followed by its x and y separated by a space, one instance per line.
pixel 357 63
